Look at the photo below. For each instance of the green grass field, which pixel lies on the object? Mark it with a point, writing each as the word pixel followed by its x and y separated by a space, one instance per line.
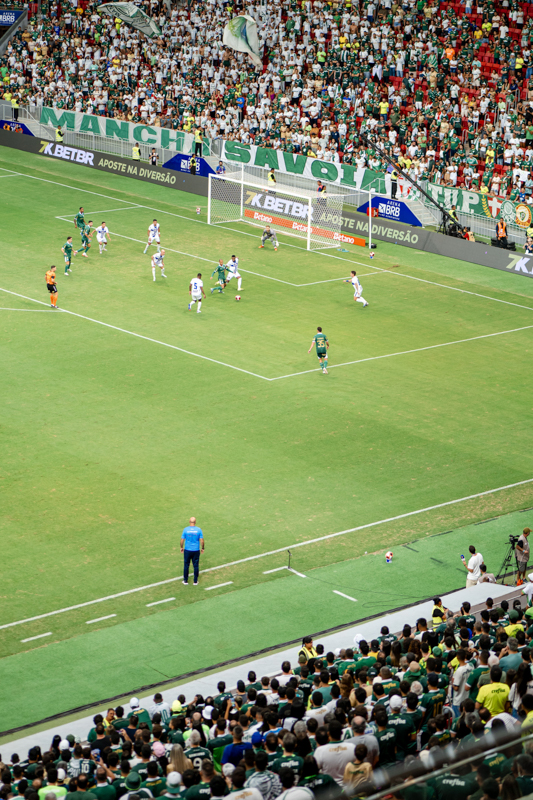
pixel 128 414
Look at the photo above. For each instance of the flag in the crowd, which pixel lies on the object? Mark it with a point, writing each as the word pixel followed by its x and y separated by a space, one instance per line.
pixel 133 16
pixel 241 34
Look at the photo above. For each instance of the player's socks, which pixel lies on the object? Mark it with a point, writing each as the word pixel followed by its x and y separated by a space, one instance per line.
pixel 153 272
pixel 325 363
pixel 158 249
pixel 361 300
pixel 199 306
pixel 145 249
pixel 163 273
pixel 239 287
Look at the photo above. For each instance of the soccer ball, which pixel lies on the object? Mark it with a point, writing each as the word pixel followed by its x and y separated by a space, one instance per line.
pixel 388 556
pixel 237 297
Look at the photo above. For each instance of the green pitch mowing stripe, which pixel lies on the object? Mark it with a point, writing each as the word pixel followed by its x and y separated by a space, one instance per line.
pixel 228 626
pixel 111 441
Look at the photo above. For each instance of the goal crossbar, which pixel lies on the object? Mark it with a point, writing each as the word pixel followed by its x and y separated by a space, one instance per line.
pixel 315 218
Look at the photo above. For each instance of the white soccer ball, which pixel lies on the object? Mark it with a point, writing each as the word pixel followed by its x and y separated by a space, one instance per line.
pixel 388 556
pixel 237 297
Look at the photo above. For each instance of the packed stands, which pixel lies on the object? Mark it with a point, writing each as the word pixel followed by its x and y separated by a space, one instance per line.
pixel 446 704
pixel 444 86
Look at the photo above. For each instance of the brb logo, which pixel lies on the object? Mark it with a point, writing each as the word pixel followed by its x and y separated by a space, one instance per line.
pixel 390 210
pixel 68 153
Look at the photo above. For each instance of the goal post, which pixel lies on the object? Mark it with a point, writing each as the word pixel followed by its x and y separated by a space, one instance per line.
pixel 316 219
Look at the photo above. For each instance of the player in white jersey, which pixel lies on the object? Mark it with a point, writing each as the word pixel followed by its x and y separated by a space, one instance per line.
pixel 357 289
pixel 154 236
pixel 102 236
pixel 196 290
pixel 233 272
pixel 157 261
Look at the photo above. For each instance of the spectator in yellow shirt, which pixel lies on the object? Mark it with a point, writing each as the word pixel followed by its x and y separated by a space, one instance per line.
pixel 493 696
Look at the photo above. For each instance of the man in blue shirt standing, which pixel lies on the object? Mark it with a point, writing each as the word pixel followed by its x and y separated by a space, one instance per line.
pixel 191 545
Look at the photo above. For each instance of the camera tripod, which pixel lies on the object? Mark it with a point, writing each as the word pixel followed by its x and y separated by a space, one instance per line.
pixel 508 561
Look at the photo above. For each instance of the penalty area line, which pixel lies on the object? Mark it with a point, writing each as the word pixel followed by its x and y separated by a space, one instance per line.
pixel 275 552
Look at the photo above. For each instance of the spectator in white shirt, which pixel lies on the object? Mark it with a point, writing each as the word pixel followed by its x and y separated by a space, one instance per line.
pixel 473 566
pixel 332 758
pixel 460 683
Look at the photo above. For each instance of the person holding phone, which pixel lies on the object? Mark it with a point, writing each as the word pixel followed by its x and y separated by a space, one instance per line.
pixel 473 567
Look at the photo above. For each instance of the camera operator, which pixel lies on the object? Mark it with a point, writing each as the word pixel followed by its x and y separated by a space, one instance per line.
pixel 522 554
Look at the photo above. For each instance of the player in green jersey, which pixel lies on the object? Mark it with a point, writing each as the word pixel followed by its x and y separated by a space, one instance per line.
pixel 67 252
pixel 79 219
pixel 85 239
pixel 220 271
pixel 320 340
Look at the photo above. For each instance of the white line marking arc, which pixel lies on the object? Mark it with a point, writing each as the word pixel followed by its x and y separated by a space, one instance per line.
pixel 347 596
pixel 218 586
pixel 272 552
pixel 33 638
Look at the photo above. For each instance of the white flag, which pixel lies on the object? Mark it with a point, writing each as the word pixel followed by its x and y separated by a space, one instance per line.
pixel 131 15
pixel 241 34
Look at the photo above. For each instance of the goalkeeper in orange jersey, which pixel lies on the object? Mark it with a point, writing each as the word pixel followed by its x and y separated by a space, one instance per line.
pixel 51 285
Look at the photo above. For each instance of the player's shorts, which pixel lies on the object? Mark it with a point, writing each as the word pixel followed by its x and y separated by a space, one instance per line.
pixel 67 259
pixel 155 239
pixel 196 296
pixel 102 240
pixel 232 275
pixel 321 353
pixel 85 241
pixel 52 288
pixel 222 281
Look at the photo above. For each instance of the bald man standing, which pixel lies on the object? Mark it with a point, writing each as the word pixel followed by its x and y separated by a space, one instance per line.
pixel 191 545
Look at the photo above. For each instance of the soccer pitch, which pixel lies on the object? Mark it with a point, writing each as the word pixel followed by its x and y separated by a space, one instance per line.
pixel 128 414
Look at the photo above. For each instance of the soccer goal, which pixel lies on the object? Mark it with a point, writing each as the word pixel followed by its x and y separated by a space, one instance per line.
pixel 316 219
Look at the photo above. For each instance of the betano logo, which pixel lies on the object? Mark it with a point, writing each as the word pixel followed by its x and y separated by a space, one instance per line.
pixel 68 153
pixel 299 226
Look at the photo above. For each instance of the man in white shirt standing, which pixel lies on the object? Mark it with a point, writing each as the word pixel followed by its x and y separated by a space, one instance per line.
pixel 333 757
pixel 473 566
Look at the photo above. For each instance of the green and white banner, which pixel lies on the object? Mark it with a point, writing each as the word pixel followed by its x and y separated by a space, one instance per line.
pixel 179 141
pixel 483 205
pixel 295 164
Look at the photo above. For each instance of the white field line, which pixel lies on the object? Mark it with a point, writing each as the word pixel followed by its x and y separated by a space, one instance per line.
pixel 99 619
pixel 33 638
pixel 300 574
pixel 140 336
pixel 317 252
pixel 273 552
pixel 218 586
pixel 33 310
pixel 404 352
pixel 4 169
pixel 105 211
pixel 10 176
pixel 347 596
pixel 158 602
pixel 276 569
pixel 255 374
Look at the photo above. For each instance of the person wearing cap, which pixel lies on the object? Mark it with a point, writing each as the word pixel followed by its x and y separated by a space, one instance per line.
pixel 174 785
pixel 473 567
pixel 140 712
pixel 191 545
pixel 52 775
pixel 133 786
pixel 404 727
pixel 522 555
pixel 160 707
pixel 307 650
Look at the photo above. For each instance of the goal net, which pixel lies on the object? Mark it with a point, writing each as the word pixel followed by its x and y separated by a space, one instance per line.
pixel 295 212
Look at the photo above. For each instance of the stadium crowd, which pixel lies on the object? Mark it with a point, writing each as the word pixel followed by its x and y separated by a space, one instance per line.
pixel 445 86
pixel 323 727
